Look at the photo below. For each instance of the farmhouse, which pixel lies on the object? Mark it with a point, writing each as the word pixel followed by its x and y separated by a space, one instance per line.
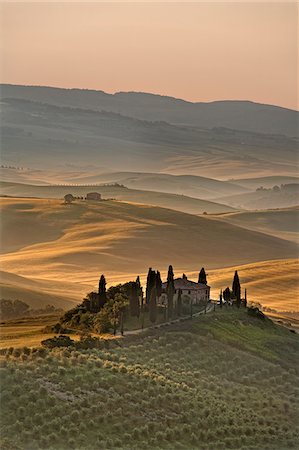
pixel 197 292
pixel 93 196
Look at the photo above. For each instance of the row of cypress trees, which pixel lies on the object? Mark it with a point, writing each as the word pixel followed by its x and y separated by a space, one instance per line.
pixel 133 292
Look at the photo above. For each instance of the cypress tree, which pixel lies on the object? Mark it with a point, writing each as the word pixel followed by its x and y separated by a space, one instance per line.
pixel 153 305
pixel 102 292
pixel 134 300
pixel 202 278
pixel 150 283
pixel 158 284
pixel 179 303
pixel 140 290
pixel 170 291
pixel 236 289
pixel 220 299
pixel 245 298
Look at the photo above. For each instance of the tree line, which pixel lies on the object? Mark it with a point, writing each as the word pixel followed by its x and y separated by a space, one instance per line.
pixel 107 309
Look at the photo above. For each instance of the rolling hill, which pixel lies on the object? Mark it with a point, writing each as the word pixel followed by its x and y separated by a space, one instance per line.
pixel 266 182
pixel 238 115
pixel 272 283
pixel 282 223
pixel 178 202
pixel 41 135
pixel 190 185
pixel 67 247
pixel 284 197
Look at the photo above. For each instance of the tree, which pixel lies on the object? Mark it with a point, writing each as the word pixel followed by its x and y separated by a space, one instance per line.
pixel 170 291
pixel 220 299
pixel 153 305
pixel 202 278
pixel 245 298
pixel 115 308
pixel 102 292
pixel 68 198
pixel 179 303
pixel 227 295
pixel 236 289
pixel 158 284
pixel 134 300
pixel 150 284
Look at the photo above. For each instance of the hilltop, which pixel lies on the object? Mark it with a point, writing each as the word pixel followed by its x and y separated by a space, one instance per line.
pixel 178 202
pixel 239 115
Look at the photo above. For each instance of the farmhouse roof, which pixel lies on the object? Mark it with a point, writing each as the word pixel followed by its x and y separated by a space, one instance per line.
pixel 184 283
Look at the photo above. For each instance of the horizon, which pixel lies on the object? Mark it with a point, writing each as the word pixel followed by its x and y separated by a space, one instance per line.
pixel 156 94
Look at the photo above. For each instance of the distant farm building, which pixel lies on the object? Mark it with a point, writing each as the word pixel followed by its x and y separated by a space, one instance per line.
pixel 93 196
pixel 197 292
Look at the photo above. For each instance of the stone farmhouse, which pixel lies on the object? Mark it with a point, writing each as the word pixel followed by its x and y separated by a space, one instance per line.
pixel 93 196
pixel 197 292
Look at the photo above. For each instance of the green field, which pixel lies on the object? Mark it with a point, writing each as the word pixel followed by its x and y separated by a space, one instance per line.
pixel 223 381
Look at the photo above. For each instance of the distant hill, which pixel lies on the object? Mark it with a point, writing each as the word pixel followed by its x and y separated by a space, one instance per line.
pixel 282 223
pixel 190 185
pixel 266 182
pixel 284 197
pixel 173 201
pixel 42 135
pixel 238 115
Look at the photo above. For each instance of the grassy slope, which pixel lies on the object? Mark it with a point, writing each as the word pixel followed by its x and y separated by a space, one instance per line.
pixel 283 223
pixel 178 202
pixel 223 381
pixel 123 240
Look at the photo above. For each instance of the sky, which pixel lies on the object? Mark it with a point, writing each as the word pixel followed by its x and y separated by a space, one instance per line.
pixel 195 51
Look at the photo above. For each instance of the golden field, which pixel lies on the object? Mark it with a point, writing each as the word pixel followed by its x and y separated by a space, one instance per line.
pixel 54 253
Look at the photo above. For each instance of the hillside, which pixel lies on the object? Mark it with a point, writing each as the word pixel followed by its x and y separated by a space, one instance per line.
pixel 220 381
pixel 64 136
pixel 266 182
pixel 239 115
pixel 282 223
pixel 67 247
pixel 272 283
pixel 173 201
pixel 38 293
pixel 264 198
pixel 189 185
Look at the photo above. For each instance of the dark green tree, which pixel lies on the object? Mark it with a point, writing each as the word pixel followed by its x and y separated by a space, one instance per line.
pixel 202 278
pixel 140 291
pixel 134 300
pixel 150 284
pixel 236 289
pixel 245 298
pixel 227 295
pixel 158 284
pixel 102 292
pixel 179 303
pixel 170 291
pixel 153 305
pixel 220 299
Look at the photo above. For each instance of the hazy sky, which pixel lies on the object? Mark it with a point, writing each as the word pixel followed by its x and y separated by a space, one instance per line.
pixel 196 51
